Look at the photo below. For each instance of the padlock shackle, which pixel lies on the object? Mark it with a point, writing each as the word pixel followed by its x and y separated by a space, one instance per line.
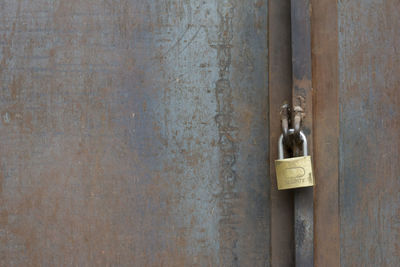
pixel 280 143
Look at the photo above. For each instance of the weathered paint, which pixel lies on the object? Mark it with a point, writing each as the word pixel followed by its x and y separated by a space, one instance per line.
pixel 369 67
pixel 134 133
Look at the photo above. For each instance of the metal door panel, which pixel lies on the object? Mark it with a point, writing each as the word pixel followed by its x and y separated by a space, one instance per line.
pixel 369 132
pixel 134 133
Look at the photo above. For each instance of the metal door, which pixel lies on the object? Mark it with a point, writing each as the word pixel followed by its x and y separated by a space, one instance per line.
pixel 143 133
pixel 355 123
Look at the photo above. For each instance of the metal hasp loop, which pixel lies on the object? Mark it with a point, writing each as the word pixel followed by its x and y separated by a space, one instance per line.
pixel 298 117
pixel 285 118
pixel 302 137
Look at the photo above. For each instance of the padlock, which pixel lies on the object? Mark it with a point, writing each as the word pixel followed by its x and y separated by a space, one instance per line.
pixel 294 172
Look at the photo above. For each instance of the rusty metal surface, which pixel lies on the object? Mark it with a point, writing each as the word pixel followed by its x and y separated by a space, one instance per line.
pixel 302 94
pixel 325 78
pixel 133 133
pixel 369 78
pixel 280 83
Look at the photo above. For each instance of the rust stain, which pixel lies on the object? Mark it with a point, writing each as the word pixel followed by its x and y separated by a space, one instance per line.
pixel 144 106
pixel 259 4
pixel 304 82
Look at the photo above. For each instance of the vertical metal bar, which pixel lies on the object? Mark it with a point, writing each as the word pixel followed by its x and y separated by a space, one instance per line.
pixel 280 82
pixel 302 96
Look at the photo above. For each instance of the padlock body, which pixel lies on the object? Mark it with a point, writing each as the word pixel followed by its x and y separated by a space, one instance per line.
pixel 294 172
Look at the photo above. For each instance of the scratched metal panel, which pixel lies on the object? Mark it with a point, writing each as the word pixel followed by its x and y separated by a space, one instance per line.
pixel 369 66
pixel 133 133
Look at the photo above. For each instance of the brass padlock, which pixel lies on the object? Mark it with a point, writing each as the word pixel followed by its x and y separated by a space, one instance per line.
pixel 294 172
